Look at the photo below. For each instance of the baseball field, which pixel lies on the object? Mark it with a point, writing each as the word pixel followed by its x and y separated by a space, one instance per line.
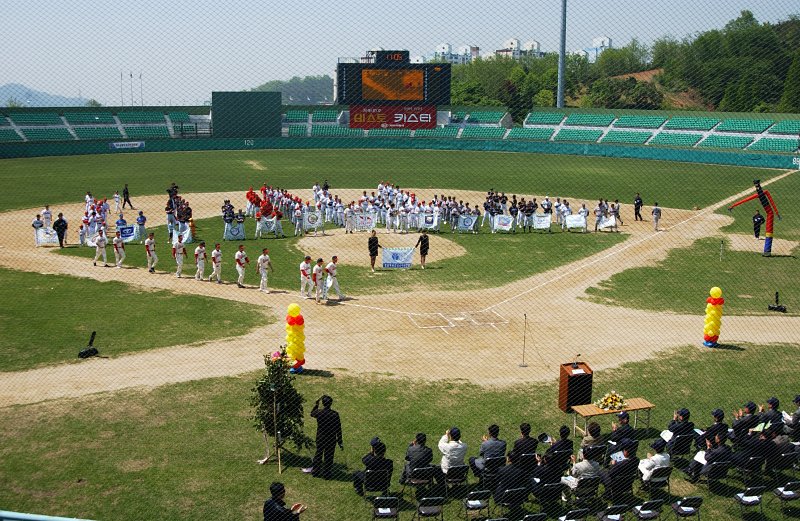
pixel 158 427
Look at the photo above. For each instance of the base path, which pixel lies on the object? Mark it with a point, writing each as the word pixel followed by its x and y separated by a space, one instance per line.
pixel 473 336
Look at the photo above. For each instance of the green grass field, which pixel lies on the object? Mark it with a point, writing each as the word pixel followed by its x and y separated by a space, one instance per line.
pixel 66 179
pixel 189 451
pixel 52 317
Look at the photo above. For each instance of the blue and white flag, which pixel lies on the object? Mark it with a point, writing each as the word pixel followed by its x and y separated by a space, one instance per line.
pixel 503 223
pixel 45 236
pixel 185 231
pixel 466 223
pixel 397 258
pixel 128 232
pixel 312 220
pixel 233 232
pixel 429 221
pixel 541 221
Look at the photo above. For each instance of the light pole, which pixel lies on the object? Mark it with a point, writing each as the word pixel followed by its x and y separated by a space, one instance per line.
pixel 562 55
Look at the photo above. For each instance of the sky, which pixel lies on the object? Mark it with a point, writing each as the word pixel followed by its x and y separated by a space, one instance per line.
pixel 185 49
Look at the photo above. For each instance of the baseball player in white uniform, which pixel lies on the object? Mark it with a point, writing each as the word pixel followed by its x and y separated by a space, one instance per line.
pixel 331 282
pixel 100 248
pixel 200 261
pixel 216 264
pixel 298 220
pixel 150 250
pixel 119 249
pixel 306 284
pixel 47 216
pixel 241 263
pixel 316 278
pixel 264 263
pixel 178 253
pixel 116 202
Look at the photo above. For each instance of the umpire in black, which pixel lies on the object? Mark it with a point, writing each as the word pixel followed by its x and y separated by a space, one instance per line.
pixel 60 226
pixel 329 433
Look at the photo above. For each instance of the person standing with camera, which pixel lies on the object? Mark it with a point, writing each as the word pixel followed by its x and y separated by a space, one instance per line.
pixel 329 433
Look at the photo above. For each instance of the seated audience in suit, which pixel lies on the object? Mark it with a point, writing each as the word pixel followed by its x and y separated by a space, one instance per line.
pixel 525 444
pixel 755 445
pixel 792 425
pixel 718 426
pixel 772 412
pixel 619 468
pixel 591 436
pixel 743 420
pixel 509 476
pixel 564 444
pixel 544 473
pixel 418 455
pixel 654 460
pixel 621 430
pixel 783 444
pixel 716 451
pixel 374 460
pixel 491 447
pixel 679 425
pixel 580 470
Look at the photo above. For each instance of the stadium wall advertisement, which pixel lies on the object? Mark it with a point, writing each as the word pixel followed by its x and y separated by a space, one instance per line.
pixel 26 149
pixel 393 116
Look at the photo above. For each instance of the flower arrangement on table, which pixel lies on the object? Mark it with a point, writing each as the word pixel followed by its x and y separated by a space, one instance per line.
pixel 612 401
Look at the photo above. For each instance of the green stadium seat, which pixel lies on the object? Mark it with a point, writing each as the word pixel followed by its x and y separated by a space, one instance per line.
pixel 676 139
pixel 690 123
pixel 97 132
pixel 48 134
pixel 90 118
pixel 184 129
pixel 325 116
pixel 389 132
pixel 627 136
pixel 3 121
pixel 141 117
pixel 458 116
pixel 36 119
pixel 544 118
pixel 639 122
pixel 589 120
pixel 750 126
pixel 789 127
pixel 298 130
pixel 483 133
pixel 147 131
pixel 722 141
pixel 574 134
pixel 8 134
pixel 775 145
pixel 179 117
pixel 335 131
pixel 531 134
pixel 297 116
pixel 486 117
pixel 440 132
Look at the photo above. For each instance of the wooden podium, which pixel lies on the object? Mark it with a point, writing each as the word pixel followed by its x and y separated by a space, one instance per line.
pixel 574 386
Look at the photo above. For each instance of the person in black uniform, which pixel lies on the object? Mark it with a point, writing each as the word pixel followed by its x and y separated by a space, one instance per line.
pixel 373 245
pixel 126 198
pixel 329 433
pixel 60 226
pixel 374 460
pixel 679 425
pixel 424 244
pixel 275 507
pixel 716 450
pixel 772 414
pixel 758 220
pixel 623 429
pixel 418 455
pixel 719 426
pixel 637 207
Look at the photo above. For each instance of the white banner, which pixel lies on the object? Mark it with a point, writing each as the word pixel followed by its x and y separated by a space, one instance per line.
pixel 312 220
pixel 541 221
pixel 267 225
pixel 128 232
pixel 233 232
pixel 45 236
pixel 466 223
pixel 576 221
pixel 365 222
pixel 607 222
pixel 429 221
pixel 184 230
pixel 503 223
pixel 397 258
pixel 90 240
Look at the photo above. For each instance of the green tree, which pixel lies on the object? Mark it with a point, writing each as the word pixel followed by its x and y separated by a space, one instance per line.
pixel 544 98
pixel 13 103
pixel 93 103
pixel 634 57
pixel 790 100
pixel 309 90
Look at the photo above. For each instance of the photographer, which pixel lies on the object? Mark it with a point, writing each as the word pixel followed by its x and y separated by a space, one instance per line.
pixel 329 433
pixel 275 507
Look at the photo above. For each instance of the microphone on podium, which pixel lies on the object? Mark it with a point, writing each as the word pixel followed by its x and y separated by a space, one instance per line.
pixel 575 363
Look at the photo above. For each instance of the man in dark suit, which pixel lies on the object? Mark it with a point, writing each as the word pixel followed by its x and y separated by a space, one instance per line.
pixel 625 467
pixel 716 451
pixel 792 426
pixel 525 445
pixel 711 431
pixel 680 425
pixel 418 455
pixel 545 473
pixel 329 433
pixel 491 447
pixel 275 507
pixel 563 445
pixel 374 460
pixel 772 414
pixel 743 420
pixel 623 429
pixel 751 446
pixel 509 476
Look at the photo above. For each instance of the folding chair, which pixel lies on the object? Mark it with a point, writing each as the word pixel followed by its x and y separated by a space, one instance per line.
pixel 512 499
pixel 751 497
pixel 541 516
pixel 785 461
pixel 717 472
pixel 560 457
pixel 550 494
pixel 620 489
pixel 376 481
pixel 477 501
pixel 595 453
pixel 687 507
pixel 527 462
pixel 490 468
pixel 659 479
pixel 419 477
pixel 787 493
pixel 648 510
pixel 585 492
pixel 386 508
pixel 613 513
pixel 575 515
pixel 680 445
pixel 456 475
pixel 430 507
pixel 750 468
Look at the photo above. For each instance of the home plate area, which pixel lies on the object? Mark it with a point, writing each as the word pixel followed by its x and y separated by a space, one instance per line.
pixel 449 320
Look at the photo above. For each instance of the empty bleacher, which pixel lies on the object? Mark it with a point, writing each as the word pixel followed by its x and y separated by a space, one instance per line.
pixel 141 117
pixel 775 145
pixel 335 131
pixel 458 116
pixel 389 132
pixel 48 134
pixel 483 133
pixel 690 123
pixel 8 134
pixel 486 117
pixel 650 122
pixel 179 117
pixel 544 118
pixel 676 139
pixel 147 131
pixel 184 129
pixel 90 118
pixel 298 130
pixel 97 132
pixel 324 116
pixel 297 116
pixel 589 120
pixel 722 141
pixel 25 119
pixel 442 132
pixel 747 126
pixel 3 121
pixel 531 134
pixel 627 136
pixel 788 128
pixel 574 134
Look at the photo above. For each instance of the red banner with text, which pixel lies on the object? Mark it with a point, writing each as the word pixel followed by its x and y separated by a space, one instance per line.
pixel 411 117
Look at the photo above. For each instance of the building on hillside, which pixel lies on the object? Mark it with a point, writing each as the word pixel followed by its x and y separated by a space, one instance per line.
pixel 444 53
pixel 599 44
pixel 512 49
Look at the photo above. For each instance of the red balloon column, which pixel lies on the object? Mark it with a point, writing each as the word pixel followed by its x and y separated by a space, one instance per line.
pixel 295 338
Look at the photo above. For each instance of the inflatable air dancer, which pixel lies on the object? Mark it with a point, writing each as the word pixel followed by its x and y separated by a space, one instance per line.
pixel 769 207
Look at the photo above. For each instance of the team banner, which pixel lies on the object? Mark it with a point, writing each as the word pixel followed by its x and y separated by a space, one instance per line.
pixel 503 223
pixel 183 230
pixel 466 223
pixel 365 222
pixel 393 116
pixel 312 220
pixel 91 240
pixel 541 221
pixel 397 258
pixel 607 222
pixel 576 221
pixel 45 236
pixel 128 232
pixel 429 222
pixel 233 232
pixel 266 225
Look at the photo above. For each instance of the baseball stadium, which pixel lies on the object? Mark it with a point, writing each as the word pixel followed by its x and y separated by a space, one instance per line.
pixel 530 283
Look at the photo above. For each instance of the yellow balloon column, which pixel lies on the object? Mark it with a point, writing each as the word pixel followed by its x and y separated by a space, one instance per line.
pixel 713 319
pixel 295 338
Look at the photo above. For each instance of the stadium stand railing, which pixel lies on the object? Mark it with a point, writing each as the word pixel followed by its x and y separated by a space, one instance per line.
pixel 787 127
pixel 483 133
pixel 297 116
pixel 723 141
pixel 90 118
pixel 676 139
pixel 648 122
pixel 389 132
pixel 440 132
pixel 146 131
pixel 745 126
pixel 141 117
pixel 48 134
pixel 775 145
pixel 97 132
pixel 531 134
pixel 335 131
pixel 589 120
pixel 575 134
pixel 627 136
pixel 543 118
pixel 26 119
pixel 690 123
pixel 485 117
pixel 9 134
pixel 324 116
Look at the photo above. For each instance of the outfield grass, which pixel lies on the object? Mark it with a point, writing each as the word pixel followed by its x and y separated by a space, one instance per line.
pixel 65 179
pixel 188 450
pixel 53 316
pixel 491 259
